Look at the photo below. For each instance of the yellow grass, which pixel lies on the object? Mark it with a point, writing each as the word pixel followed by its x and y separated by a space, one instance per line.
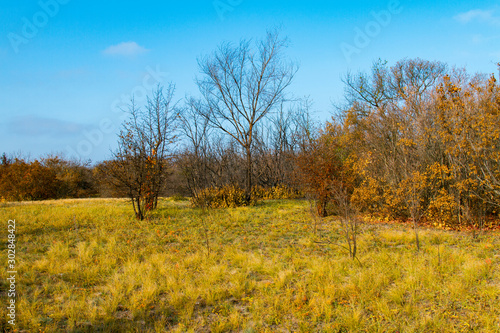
pixel 87 266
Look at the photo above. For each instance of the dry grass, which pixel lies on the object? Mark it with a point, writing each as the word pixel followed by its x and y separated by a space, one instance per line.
pixel 87 266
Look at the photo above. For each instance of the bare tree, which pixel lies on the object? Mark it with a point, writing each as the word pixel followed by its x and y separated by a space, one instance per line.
pixel 275 147
pixel 194 161
pixel 241 85
pixel 140 165
pixel 349 218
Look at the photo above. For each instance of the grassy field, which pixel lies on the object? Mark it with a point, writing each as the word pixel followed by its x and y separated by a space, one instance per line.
pixel 88 266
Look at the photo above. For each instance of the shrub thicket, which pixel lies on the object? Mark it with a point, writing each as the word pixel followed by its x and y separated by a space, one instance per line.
pixel 416 141
pixel 228 196
pixel 47 178
pixel 231 196
pixel 276 192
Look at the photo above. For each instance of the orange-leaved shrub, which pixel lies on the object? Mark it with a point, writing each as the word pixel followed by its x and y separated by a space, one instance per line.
pixel 325 168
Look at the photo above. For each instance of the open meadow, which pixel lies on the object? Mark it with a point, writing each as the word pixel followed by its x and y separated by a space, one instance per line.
pixel 89 266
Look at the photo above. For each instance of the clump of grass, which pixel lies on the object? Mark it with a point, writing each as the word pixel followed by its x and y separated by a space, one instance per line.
pixel 86 265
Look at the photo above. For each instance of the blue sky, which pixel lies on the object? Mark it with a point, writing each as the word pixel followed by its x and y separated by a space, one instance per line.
pixel 66 65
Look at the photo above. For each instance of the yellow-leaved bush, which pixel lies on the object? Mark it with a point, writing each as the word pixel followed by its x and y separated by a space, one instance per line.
pixel 228 196
pixel 231 196
pixel 276 192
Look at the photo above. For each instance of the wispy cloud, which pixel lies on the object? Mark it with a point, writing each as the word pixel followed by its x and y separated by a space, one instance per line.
pixel 480 15
pixel 481 39
pixel 128 49
pixel 38 126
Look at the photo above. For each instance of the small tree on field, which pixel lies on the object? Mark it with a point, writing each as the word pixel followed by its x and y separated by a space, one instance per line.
pixel 318 167
pixel 145 146
pixel 327 172
pixel 349 218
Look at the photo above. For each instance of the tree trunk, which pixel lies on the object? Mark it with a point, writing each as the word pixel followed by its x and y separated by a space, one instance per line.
pixel 415 228
pixel 140 209
pixel 248 187
pixel 133 204
pixel 321 206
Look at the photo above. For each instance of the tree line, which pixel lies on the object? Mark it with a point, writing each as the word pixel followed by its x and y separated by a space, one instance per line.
pixel 415 140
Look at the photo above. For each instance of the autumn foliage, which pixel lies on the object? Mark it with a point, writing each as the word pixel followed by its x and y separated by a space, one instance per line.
pixel 47 178
pixel 416 141
pixel 231 196
pixel 321 169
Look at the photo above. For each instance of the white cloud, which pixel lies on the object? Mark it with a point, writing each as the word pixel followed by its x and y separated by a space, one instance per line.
pixel 485 16
pixel 128 49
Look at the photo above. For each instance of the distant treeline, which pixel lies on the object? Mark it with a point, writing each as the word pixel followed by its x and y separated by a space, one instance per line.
pixel 46 178
pixel 55 177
